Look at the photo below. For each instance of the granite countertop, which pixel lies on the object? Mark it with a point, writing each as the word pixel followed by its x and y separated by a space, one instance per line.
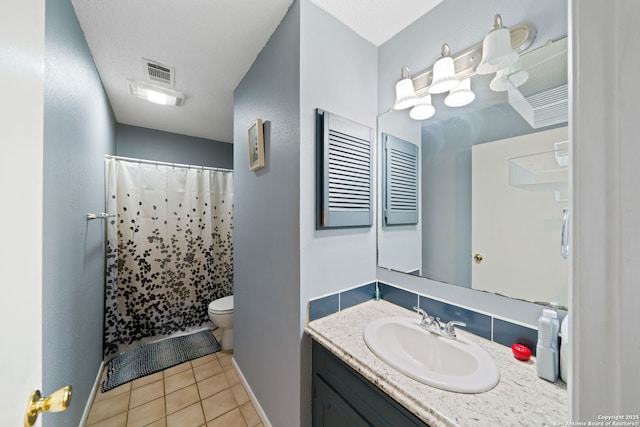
pixel 520 398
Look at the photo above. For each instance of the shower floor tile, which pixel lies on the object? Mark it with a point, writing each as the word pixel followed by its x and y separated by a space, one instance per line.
pixel 183 395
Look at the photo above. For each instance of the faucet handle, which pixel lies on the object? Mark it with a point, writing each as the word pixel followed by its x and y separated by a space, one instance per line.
pixel 425 317
pixel 450 330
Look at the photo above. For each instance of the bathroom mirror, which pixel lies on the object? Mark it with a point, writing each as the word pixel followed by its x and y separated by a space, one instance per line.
pixel 492 190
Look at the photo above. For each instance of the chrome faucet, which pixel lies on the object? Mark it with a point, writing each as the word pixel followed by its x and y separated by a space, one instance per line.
pixel 432 324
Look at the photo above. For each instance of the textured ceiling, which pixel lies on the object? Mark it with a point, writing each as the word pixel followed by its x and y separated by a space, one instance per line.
pixel 377 20
pixel 211 44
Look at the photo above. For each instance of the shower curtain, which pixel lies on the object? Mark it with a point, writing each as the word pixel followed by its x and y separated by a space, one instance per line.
pixel 169 249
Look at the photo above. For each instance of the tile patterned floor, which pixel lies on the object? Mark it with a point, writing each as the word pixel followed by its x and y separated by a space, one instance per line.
pixel 204 392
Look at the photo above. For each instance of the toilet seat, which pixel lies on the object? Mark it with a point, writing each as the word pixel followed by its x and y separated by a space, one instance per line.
pixel 221 305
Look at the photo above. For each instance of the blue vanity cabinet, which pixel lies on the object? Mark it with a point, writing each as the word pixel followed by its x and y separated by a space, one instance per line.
pixel 342 397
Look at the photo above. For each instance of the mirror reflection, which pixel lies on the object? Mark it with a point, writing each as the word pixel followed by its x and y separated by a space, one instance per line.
pixel 491 184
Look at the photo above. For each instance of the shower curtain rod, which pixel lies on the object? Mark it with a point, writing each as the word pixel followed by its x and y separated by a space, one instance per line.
pixel 175 165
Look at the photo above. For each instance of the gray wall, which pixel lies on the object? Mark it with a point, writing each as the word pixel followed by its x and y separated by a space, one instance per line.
pixel 418 47
pixel 79 129
pixel 266 230
pixel 446 204
pixel 312 61
pixel 337 74
pixel 150 144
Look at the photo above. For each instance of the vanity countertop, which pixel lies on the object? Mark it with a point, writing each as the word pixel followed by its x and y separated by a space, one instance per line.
pixel 520 398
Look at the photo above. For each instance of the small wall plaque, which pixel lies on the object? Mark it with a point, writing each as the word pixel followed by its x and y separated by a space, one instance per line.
pixel 256 145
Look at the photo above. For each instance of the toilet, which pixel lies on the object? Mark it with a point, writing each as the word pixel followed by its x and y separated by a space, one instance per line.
pixel 221 314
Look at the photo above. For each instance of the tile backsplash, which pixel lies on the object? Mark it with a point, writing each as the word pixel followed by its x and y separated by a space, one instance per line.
pixel 481 324
pixel 324 306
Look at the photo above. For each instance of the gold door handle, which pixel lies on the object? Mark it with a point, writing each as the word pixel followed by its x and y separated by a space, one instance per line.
pixel 58 401
pixel 478 258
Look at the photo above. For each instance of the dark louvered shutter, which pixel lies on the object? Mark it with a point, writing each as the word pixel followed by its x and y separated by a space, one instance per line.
pixel 345 184
pixel 400 181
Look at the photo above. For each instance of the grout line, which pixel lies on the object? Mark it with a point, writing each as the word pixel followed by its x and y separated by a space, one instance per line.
pixel 130 394
pixel 164 392
pixel 204 414
pixel 492 328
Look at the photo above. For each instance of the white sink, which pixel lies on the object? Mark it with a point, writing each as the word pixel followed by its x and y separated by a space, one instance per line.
pixel 455 365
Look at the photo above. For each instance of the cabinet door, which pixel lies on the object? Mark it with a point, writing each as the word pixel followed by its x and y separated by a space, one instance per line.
pixel 331 410
pixel 345 398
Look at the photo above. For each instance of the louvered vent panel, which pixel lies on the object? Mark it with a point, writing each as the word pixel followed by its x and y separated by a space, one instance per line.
pixel 545 108
pixel 349 173
pixel 158 72
pixel 401 181
pixel 344 172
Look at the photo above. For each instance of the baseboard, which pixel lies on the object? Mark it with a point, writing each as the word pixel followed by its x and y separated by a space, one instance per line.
pixel 92 395
pixel 254 400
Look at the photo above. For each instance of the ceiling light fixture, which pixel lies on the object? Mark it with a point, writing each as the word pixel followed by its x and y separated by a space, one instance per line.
pixel 155 94
pixel 444 73
pixel 405 93
pixel 497 52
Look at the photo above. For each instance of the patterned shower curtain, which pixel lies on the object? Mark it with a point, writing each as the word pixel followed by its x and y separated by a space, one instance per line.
pixel 169 249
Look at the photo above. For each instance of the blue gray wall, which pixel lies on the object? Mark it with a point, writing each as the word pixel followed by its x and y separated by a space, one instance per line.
pixel 460 23
pixel 150 144
pixel 312 61
pixel 446 203
pixel 337 74
pixel 266 227
pixel 79 128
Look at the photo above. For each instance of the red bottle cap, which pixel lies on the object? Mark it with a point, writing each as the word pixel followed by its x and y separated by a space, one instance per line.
pixel 521 352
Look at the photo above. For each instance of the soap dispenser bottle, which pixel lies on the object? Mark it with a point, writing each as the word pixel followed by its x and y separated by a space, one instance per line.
pixel 547 348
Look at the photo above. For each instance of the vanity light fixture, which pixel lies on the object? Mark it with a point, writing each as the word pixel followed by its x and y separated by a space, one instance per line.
pixel 460 95
pixel 405 93
pixel 497 52
pixel 444 73
pixel 155 94
pixel 423 109
pixel 494 52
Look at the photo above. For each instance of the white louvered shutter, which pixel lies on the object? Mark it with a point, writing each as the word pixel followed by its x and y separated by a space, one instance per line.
pixel 400 181
pixel 345 162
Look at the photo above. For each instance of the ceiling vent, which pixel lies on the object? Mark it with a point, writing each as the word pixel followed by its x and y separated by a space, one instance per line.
pixel 543 99
pixel 158 72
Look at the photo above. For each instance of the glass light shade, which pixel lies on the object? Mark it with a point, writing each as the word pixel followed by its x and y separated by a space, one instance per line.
pixel 499 82
pixel 405 95
pixel 444 76
pixel 497 52
pixel 423 109
pixel 155 94
pixel 460 95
